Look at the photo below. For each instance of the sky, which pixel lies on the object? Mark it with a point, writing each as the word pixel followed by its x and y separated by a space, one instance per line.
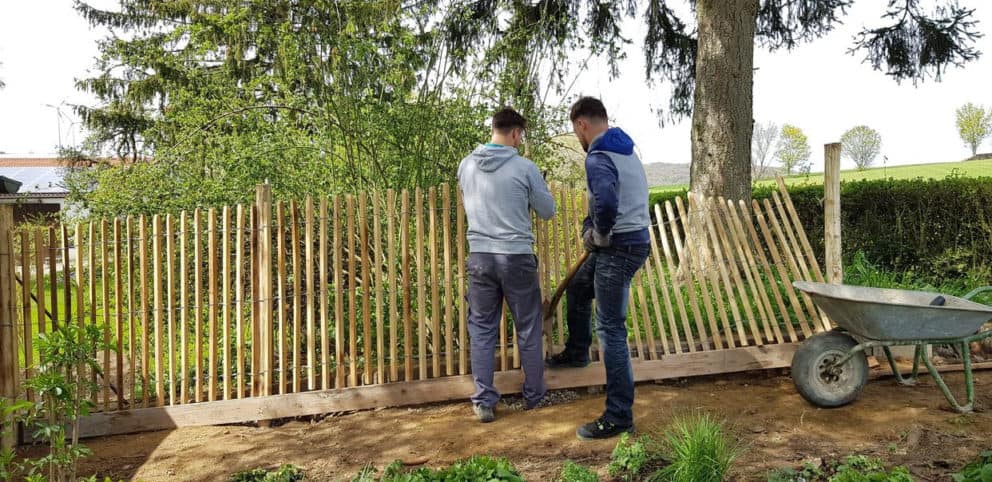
pixel 45 45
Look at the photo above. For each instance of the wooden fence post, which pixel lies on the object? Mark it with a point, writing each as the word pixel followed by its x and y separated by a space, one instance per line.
pixel 831 213
pixel 263 201
pixel 8 336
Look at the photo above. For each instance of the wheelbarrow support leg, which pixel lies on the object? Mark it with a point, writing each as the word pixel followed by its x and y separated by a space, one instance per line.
pixel 969 383
pixel 895 370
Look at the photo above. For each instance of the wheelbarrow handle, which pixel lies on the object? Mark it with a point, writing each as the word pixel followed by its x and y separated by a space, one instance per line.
pixel 977 291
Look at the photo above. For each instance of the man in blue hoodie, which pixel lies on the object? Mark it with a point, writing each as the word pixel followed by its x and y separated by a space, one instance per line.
pixel 615 232
pixel 500 188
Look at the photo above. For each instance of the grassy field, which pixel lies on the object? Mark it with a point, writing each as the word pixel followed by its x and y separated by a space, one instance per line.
pixel 926 171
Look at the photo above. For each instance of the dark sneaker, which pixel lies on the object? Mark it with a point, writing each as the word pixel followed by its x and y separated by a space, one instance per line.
pixel 484 413
pixel 543 402
pixel 565 360
pixel 601 429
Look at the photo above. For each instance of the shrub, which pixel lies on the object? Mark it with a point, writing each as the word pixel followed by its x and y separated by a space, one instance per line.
pixel 631 456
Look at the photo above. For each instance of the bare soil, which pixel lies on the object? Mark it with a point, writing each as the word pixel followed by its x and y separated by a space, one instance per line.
pixel 902 425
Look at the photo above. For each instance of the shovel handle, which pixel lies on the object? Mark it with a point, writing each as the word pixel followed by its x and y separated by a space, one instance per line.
pixel 549 310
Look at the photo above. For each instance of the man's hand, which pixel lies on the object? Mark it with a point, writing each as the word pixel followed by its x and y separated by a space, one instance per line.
pixel 592 240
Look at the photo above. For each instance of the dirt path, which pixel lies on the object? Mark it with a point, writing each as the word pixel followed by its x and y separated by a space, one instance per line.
pixel 902 425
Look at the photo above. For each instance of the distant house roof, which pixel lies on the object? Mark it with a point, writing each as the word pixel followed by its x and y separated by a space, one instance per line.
pixel 41 180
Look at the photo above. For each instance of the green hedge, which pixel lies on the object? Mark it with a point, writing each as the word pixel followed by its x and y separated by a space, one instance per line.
pixel 937 228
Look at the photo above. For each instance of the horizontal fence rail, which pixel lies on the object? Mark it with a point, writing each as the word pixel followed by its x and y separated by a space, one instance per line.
pixel 367 289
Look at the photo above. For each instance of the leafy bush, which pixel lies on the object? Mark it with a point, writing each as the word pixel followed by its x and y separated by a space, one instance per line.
pixel 977 471
pixel 631 455
pixel 854 468
pixel 699 450
pixel 285 473
pixel 573 472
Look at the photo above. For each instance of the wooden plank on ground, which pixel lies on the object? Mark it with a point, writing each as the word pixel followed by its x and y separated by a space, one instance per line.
pixel 423 391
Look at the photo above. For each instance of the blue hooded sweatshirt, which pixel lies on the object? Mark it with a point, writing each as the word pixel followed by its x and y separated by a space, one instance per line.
pixel 617 189
pixel 499 189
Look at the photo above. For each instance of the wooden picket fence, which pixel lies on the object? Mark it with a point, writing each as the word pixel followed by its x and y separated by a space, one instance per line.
pixel 326 295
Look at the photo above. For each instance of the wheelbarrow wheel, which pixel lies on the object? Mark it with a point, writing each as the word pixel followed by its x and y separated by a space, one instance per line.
pixel 817 377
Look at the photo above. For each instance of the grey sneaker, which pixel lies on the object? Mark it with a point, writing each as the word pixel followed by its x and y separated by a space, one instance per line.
pixel 484 413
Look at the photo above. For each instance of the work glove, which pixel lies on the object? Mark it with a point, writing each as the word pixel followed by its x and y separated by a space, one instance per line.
pixel 593 240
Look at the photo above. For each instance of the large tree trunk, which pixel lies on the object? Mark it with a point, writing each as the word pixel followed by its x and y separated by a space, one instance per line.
pixel 722 113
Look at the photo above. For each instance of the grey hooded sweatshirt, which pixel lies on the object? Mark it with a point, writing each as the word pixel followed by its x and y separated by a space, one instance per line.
pixel 499 188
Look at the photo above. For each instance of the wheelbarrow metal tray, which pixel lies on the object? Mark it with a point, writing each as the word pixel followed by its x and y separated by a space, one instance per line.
pixel 892 314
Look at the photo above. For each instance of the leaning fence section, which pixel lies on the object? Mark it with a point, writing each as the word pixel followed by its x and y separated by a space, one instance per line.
pixel 369 288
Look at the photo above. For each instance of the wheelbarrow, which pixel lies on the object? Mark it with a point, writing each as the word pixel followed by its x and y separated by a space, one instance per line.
pixel 830 369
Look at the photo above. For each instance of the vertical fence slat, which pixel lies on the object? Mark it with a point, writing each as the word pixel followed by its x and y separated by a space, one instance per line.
pixel 422 319
pixel 462 310
pixel 311 305
pixel 350 215
pixel 157 308
pixel 225 332
pixel 105 304
pixel 131 306
pixel 118 314
pixel 408 352
pixel 339 321
pixel 435 285
pixel 783 274
pixel 685 267
pixel 145 322
pixel 91 290
pixel 39 270
pixel 183 305
pixel 282 303
pixel 449 296
pixel 170 305
pixel 198 305
pixel 325 366
pixel 239 293
pixel 366 287
pixel 67 274
pixel 28 316
pixel 263 203
pixel 53 285
pixel 294 229
pixel 392 291
pixel 380 318
pixel 212 302
pixel 257 337
pixel 689 257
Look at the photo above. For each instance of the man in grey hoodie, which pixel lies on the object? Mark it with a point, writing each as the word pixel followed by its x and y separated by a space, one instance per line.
pixel 500 188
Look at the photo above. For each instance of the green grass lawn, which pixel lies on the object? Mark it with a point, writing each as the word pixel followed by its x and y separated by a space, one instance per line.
pixel 926 171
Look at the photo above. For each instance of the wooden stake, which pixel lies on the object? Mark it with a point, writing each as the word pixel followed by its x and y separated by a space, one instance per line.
pixel 283 302
pixel 212 305
pixel 831 214
pixel 376 266
pixel 462 279
pixel 392 291
pixel 366 288
pixel 197 306
pixel 157 308
pixel 143 279
pixel 350 215
pixel 688 258
pixel 339 320
pixel 183 305
pixel 294 229
pixel 239 293
pixel 449 288
pixel 408 352
pixel 311 305
pixel 422 300
pixel 170 307
pixel 263 203
pixel 325 366
pixel 118 310
pixel 435 281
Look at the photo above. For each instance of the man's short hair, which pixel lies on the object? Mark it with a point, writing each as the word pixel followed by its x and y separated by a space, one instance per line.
pixel 507 119
pixel 590 108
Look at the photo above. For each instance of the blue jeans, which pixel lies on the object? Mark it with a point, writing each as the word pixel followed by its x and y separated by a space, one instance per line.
pixel 491 278
pixel 606 276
